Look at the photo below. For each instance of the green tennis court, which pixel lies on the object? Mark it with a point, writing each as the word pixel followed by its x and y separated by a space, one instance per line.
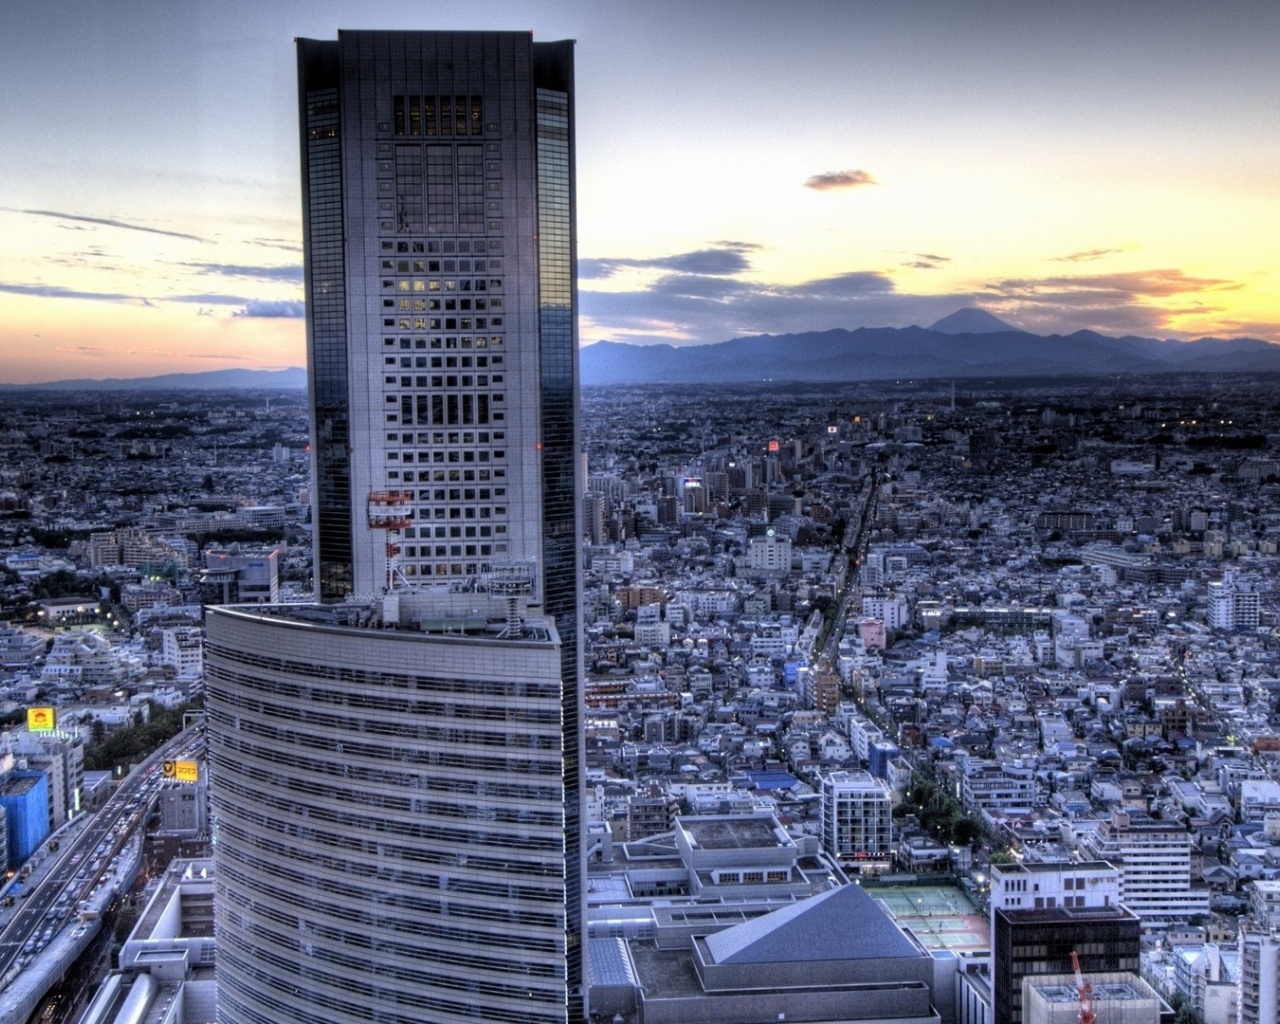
pixel 940 917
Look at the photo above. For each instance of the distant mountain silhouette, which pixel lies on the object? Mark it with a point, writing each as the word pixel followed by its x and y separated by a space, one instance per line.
pixel 971 320
pixel 879 353
pixel 294 378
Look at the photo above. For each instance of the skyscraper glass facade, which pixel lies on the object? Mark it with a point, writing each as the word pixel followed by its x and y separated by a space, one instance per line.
pixel 403 825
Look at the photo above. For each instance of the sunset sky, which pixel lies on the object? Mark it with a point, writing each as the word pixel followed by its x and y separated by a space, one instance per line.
pixel 743 167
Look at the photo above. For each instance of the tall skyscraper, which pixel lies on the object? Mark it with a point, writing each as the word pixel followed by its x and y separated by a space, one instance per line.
pixel 396 771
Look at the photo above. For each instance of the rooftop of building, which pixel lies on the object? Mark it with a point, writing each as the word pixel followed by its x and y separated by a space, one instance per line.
pixel 434 611
pixel 731 833
pixel 181 874
pixel 19 783
pixel 1066 915
pixel 1036 868
pixel 816 929
pixel 1109 991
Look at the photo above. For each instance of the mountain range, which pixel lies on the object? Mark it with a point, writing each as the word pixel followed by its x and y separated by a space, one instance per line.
pixel 968 343
pixel 293 378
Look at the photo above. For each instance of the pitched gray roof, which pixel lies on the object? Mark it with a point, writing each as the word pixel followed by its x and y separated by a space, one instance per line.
pixel 842 924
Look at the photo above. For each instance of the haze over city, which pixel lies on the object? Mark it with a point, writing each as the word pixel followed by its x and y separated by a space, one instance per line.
pixel 743 168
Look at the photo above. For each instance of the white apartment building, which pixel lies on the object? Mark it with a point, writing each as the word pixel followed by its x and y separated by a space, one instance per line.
pixel 857 816
pixel 183 649
pixel 862 733
pixel 1259 977
pixel 1045 886
pixel 1258 798
pixel 987 785
pixel 1233 605
pixel 708 604
pixel 892 610
pixel 653 634
pixel 770 553
pixel 1154 858
pixel 1264 901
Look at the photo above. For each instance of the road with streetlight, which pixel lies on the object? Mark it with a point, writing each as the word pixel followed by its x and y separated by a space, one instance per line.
pixel 84 860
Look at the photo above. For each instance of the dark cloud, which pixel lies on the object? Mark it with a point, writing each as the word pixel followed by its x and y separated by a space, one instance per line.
pixel 53 291
pixel 924 261
pixel 290 272
pixel 91 256
pixel 681 308
pixel 721 258
pixel 105 222
pixel 1144 301
pixel 272 308
pixel 695 308
pixel 276 243
pixel 852 178
pixel 1087 256
pixel 1237 327
pixel 1119 287
pixel 849 285
pixel 212 299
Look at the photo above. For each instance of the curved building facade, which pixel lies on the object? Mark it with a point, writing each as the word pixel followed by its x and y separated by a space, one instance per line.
pixel 390 825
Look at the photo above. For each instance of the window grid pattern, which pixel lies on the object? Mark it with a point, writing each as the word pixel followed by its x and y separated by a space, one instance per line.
pixel 446 399
pixel 419 812
pixel 434 116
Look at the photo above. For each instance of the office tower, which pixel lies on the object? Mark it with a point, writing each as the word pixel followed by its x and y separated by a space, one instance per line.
pixel 396 776
pixel 1041 913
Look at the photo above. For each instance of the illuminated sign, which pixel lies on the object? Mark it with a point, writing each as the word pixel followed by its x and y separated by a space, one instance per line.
pixel 773 446
pixel 40 720
pixel 183 771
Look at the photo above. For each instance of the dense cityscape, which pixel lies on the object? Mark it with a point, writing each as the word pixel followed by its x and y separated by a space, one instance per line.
pixel 933 632
pixel 494 679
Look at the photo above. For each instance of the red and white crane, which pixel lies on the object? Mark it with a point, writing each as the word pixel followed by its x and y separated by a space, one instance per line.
pixel 1084 990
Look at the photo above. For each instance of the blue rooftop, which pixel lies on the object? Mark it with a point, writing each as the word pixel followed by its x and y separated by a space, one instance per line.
pixel 772 780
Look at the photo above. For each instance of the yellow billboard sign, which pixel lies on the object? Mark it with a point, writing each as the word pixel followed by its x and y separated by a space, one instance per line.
pixel 40 720
pixel 183 771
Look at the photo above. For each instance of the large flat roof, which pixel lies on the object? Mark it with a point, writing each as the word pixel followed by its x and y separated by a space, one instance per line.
pixel 731 833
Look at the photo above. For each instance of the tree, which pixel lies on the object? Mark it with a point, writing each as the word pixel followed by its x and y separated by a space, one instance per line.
pixel 1186 1014
pixel 126 918
pixel 130 745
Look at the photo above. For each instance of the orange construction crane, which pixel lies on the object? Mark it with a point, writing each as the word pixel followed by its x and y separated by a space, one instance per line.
pixel 1084 990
